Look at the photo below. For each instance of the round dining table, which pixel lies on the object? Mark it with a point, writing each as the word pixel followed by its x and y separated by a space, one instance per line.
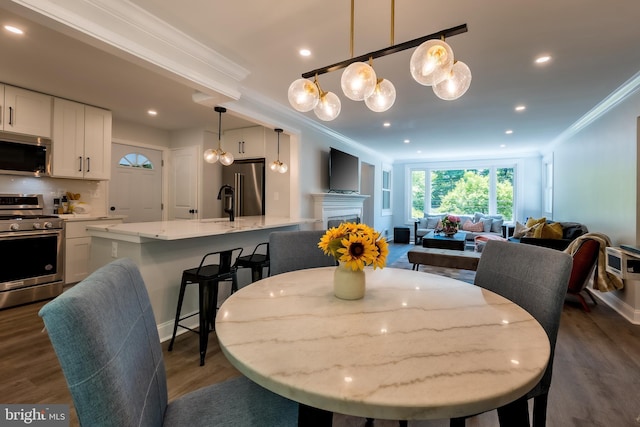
pixel 417 346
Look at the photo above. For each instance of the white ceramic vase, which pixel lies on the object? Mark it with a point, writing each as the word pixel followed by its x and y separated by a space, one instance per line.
pixel 347 283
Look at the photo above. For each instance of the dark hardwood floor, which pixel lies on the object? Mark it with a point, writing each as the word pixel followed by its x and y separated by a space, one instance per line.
pixel 596 379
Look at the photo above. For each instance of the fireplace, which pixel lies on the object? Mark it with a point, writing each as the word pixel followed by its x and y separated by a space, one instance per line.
pixel 337 208
pixel 334 221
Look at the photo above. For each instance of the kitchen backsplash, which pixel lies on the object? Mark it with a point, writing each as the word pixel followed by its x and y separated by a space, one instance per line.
pixel 93 193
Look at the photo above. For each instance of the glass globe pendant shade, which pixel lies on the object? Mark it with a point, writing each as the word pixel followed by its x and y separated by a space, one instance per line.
pixel 283 168
pixel 275 165
pixel 226 158
pixel 329 107
pixel 455 84
pixel 383 96
pixel 303 95
pixel 358 81
pixel 211 156
pixel 431 62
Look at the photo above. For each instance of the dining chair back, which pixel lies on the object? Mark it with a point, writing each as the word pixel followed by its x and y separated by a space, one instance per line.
pixel 536 279
pixel 296 250
pixel 105 336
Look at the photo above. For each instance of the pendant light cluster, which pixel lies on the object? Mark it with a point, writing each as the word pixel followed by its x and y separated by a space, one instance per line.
pixel 277 165
pixel 432 64
pixel 212 156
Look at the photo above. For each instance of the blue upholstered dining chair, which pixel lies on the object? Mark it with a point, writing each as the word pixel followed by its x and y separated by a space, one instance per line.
pixel 536 279
pixel 104 334
pixel 296 250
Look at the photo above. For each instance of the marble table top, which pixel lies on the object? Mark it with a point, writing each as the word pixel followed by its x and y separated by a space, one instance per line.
pixel 417 346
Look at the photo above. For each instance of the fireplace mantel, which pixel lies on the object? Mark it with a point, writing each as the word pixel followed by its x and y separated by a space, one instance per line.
pixel 327 205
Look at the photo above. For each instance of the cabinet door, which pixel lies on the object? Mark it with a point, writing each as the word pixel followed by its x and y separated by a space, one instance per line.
pixel 68 139
pixel 76 259
pixel 253 145
pixel 97 143
pixel 245 142
pixel 2 106
pixel 27 112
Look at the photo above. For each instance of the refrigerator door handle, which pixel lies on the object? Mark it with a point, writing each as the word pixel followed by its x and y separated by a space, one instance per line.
pixel 238 181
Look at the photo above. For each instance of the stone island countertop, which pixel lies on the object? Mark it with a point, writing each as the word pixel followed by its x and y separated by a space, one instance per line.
pixel 141 232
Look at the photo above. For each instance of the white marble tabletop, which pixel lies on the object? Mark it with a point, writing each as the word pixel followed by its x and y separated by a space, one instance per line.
pixel 417 346
pixel 191 228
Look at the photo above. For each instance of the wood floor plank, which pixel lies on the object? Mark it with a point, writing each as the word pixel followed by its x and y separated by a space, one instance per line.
pixel 596 379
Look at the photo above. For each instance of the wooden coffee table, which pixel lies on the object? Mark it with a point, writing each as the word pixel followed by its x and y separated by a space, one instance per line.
pixel 440 241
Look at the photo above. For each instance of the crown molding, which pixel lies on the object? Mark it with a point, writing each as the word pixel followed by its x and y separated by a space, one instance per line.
pixel 132 30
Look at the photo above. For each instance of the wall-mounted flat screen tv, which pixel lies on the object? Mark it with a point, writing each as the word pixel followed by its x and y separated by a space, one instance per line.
pixel 344 172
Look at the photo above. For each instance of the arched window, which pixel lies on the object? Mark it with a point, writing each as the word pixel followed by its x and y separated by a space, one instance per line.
pixel 135 160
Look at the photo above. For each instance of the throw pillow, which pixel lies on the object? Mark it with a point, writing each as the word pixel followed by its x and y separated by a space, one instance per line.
pixel 519 231
pixel 486 224
pixel 533 221
pixel 432 221
pixel 496 225
pixel 422 223
pixel 548 231
pixel 470 226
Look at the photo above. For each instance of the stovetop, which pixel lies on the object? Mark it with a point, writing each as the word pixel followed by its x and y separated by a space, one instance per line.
pixel 25 212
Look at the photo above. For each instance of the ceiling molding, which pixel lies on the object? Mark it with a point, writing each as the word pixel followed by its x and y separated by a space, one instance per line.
pixel 133 30
pixel 627 89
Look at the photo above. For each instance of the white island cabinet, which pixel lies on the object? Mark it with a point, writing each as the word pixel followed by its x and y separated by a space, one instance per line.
pixel 163 249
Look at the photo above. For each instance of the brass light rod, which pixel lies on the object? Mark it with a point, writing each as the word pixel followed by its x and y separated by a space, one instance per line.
pixel 454 31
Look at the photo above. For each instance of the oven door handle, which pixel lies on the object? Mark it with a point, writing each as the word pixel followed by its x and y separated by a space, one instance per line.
pixel 30 233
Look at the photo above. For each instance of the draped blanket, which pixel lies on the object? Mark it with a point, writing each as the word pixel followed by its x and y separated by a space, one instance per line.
pixel 602 281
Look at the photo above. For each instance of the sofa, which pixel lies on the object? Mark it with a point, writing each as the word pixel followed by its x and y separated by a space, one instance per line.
pixel 547 233
pixel 474 225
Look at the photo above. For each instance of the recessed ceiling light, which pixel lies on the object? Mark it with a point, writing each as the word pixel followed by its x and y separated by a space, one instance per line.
pixel 406 141
pixel 419 151
pixel 508 131
pixel 503 145
pixel 543 59
pixel 13 29
pixel 305 52
pixel 386 124
pixel 152 112
pixel 520 108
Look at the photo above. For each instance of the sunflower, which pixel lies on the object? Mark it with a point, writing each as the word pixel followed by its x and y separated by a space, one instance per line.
pixel 356 245
pixel 358 250
pixel 383 251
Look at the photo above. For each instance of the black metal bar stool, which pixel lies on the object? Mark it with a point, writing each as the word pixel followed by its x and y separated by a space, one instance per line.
pixel 207 277
pixel 257 261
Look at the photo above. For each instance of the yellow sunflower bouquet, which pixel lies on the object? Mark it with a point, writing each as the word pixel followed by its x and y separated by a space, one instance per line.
pixel 356 245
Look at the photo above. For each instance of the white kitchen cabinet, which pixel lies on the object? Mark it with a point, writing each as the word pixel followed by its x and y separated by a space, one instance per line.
pixel 81 141
pixel 25 112
pixel 77 248
pixel 245 143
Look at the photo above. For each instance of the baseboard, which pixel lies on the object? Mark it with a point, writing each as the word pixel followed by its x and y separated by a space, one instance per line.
pixel 621 307
pixel 165 330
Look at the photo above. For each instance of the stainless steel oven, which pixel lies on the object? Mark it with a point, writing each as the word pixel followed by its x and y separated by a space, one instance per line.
pixel 31 247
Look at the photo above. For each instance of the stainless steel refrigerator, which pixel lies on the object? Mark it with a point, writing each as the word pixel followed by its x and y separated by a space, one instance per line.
pixel 247 179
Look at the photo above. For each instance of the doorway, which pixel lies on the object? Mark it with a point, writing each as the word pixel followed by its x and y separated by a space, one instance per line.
pixel 135 189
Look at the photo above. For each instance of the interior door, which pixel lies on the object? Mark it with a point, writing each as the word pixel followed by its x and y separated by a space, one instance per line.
pixel 183 188
pixel 135 189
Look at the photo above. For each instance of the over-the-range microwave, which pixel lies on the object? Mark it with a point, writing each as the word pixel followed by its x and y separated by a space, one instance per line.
pixel 622 263
pixel 24 155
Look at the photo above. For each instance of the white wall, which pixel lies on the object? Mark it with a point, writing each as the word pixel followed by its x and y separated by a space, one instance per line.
pixel 596 183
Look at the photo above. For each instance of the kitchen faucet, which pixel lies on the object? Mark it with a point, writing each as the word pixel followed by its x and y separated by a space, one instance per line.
pixel 229 200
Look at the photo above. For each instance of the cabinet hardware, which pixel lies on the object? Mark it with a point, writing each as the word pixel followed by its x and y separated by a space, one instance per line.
pixel 80 164
pixel 11 116
pixel 88 164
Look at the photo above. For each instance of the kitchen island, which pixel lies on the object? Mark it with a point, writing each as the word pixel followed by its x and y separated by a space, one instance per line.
pixel 163 249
